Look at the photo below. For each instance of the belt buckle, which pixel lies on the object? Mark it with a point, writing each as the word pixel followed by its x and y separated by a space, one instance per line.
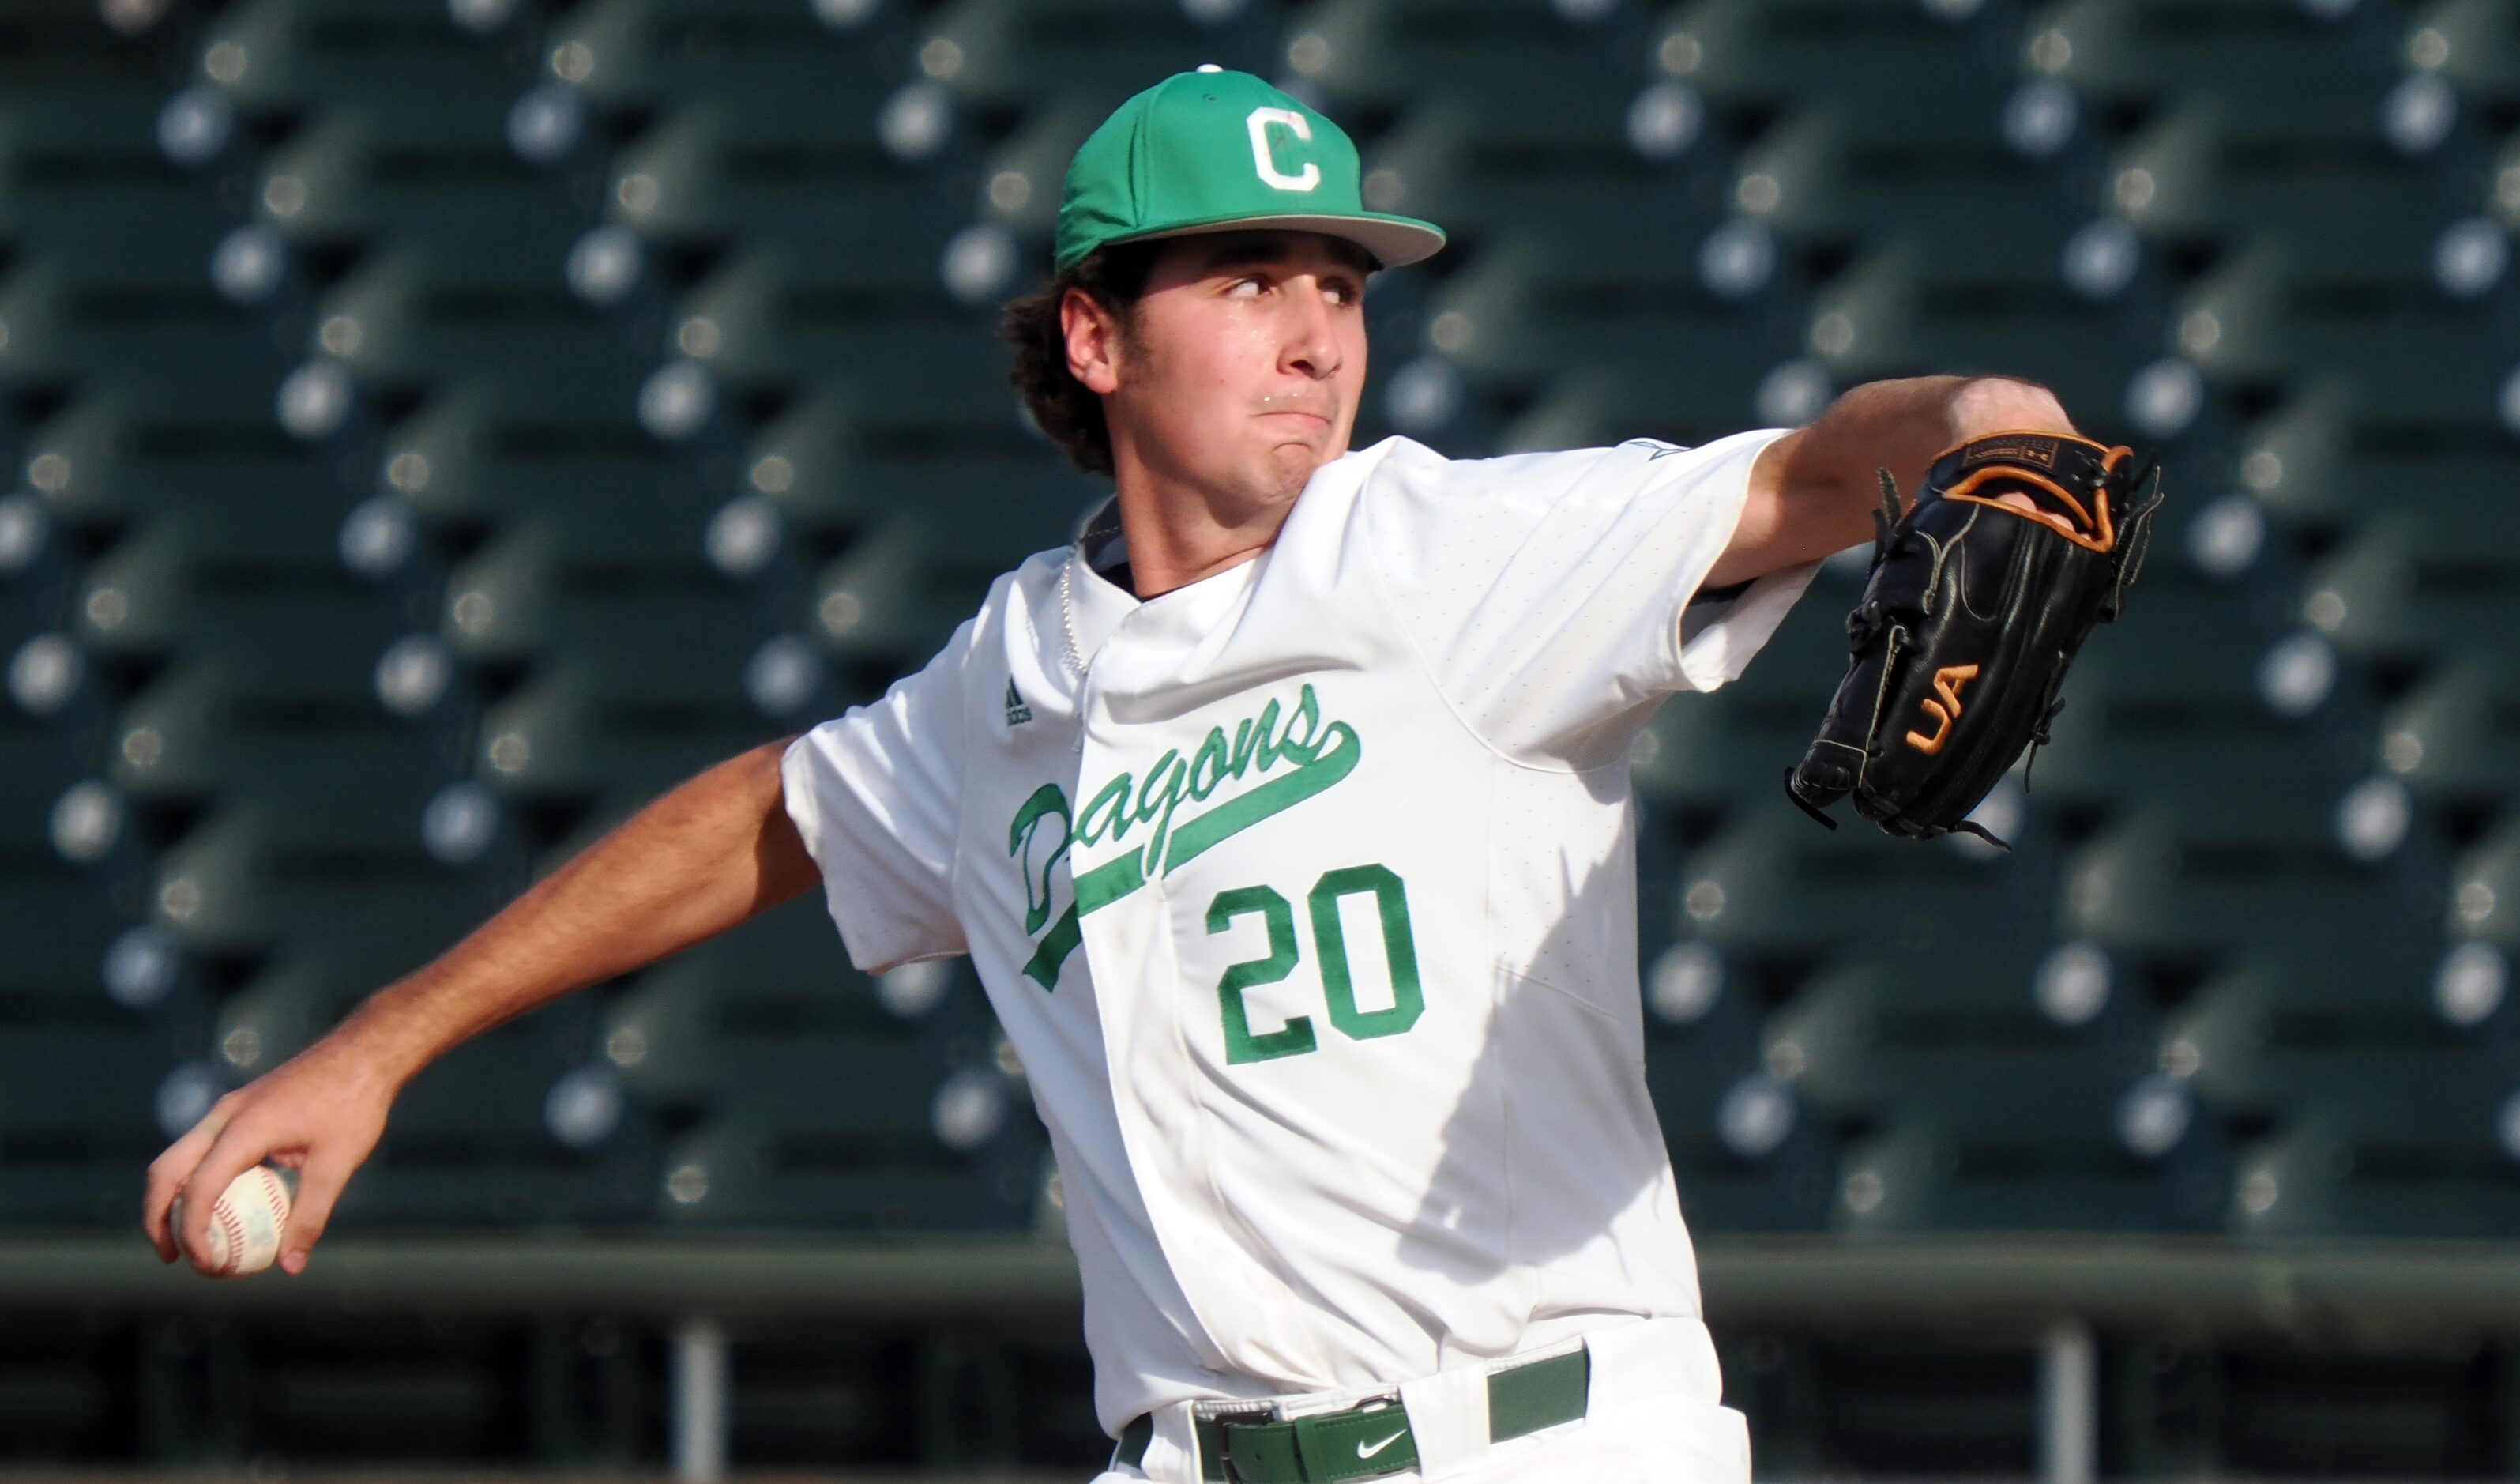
pixel 1224 1422
pixel 1364 1404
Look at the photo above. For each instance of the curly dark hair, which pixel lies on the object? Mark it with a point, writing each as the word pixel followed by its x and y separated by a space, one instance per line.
pixel 1060 405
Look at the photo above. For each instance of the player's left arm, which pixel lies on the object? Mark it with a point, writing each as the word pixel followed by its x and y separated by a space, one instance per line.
pixel 1814 490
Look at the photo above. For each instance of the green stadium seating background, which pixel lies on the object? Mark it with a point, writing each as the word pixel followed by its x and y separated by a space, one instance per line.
pixel 432 428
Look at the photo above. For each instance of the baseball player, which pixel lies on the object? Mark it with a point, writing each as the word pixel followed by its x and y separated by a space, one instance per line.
pixel 1285 817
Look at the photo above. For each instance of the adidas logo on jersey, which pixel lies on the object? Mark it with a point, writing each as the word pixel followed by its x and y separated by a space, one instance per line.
pixel 1017 713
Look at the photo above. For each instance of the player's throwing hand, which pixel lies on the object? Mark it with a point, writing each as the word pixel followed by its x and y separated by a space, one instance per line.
pixel 319 1114
pixel 710 854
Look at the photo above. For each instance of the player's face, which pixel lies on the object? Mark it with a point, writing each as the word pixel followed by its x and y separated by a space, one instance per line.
pixel 1242 363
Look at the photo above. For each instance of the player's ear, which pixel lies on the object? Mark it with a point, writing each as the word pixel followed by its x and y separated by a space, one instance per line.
pixel 1093 334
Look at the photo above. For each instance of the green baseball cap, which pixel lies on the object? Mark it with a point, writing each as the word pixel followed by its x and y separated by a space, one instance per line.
pixel 1213 150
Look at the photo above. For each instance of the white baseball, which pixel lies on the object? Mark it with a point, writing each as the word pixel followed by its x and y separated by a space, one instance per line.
pixel 245 1221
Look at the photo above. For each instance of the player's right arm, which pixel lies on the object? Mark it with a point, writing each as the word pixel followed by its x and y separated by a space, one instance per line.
pixel 710 854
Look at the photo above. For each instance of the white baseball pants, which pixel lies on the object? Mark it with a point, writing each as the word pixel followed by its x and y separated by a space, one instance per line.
pixel 1651 1417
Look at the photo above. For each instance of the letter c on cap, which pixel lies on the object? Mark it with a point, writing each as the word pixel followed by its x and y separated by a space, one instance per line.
pixel 1293 123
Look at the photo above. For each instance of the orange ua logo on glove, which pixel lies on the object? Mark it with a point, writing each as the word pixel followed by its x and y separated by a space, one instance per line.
pixel 1944 707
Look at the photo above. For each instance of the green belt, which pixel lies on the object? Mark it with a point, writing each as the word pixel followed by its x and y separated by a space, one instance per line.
pixel 1373 1438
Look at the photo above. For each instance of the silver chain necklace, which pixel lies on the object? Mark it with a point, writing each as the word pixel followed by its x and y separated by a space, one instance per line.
pixel 1067 613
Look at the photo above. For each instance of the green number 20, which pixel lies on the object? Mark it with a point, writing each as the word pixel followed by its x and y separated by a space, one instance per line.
pixel 1339 985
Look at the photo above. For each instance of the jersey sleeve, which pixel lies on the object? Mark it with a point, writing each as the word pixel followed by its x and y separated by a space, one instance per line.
pixel 877 794
pixel 1559 598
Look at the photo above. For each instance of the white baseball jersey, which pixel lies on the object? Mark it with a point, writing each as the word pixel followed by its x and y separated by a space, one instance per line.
pixel 1306 894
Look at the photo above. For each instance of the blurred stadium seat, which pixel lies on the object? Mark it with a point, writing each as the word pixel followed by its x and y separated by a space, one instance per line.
pixel 1750 1154
pixel 780 160
pixel 632 54
pixel 2188 696
pixel 2216 869
pixel 825 1100
pixel 2420 1149
pixel 594 716
pixel 280 55
pixel 2285 1023
pixel 427 306
pixel 1775 54
pixel 77 1116
pixel 1774 883
pixel 2018 1145
pixel 1532 309
pixel 2452 736
pixel 124 286
pixel 2485 887
pixel 2417 576
pixel 2007 1094
pixel 372 162
pixel 2340 449
pixel 787 307
pixel 336 847
pixel 1378 54
pixel 1016 54
pixel 2268 51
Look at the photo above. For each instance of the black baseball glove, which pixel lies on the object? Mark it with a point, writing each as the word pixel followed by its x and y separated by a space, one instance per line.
pixel 1981 592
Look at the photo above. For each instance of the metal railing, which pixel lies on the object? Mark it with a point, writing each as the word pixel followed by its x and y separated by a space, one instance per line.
pixel 2053 1294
